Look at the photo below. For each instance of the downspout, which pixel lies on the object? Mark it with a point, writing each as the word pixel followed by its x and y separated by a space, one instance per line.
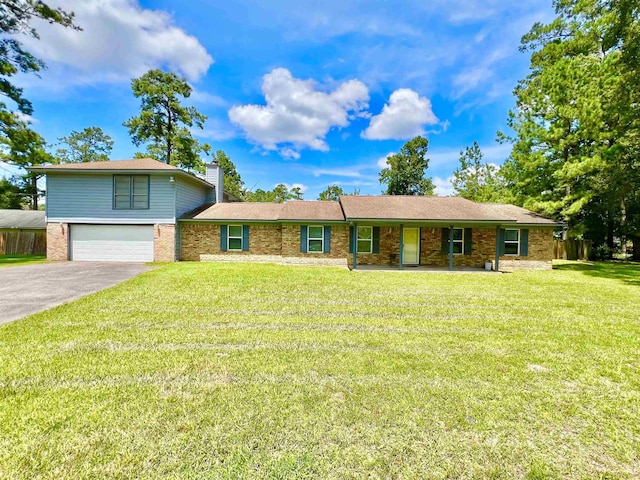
pixel 497 248
pixel 401 246
pixel 355 245
pixel 451 248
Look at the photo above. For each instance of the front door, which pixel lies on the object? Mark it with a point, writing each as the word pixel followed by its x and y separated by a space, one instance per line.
pixel 411 250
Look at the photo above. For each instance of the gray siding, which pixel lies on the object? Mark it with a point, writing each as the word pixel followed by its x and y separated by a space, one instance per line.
pixel 190 195
pixel 90 196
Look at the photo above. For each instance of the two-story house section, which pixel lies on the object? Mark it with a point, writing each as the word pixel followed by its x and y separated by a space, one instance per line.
pixel 119 210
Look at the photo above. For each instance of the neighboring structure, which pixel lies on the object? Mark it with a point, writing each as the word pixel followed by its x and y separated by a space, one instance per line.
pixel 22 232
pixel 144 210
pixel 369 230
pixel 119 210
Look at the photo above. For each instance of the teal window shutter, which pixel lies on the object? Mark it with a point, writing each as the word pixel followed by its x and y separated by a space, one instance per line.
pixel 245 238
pixel 524 242
pixel 351 238
pixel 303 238
pixel 376 240
pixel 223 238
pixel 327 239
pixel 467 241
pixel 445 242
pixel 501 241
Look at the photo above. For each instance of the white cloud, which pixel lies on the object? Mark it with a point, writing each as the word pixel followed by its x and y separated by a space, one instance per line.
pixel 297 113
pixel 402 118
pixel 120 40
pixel 339 172
pixel 382 161
pixel 444 188
pixel 289 153
pixel 303 188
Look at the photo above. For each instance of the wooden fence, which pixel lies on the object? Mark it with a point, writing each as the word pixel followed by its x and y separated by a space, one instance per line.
pixel 572 249
pixel 23 242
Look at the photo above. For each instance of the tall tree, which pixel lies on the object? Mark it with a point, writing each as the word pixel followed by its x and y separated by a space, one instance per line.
pixel 15 18
pixel 233 183
pixel 89 145
pixel 405 174
pixel 24 148
pixel 476 180
pixel 576 139
pixel 332 193
pixel 279 194
pixel 164 123
pixel 10 194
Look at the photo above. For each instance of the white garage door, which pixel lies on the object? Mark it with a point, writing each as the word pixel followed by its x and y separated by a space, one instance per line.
pixel 112 243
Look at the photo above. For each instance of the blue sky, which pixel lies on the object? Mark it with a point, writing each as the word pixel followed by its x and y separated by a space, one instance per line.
pixel 302 93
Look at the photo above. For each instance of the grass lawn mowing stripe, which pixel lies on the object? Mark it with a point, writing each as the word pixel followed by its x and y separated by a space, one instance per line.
pixel 264 371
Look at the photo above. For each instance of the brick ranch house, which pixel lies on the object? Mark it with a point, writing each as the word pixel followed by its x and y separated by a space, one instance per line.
pixel 144 210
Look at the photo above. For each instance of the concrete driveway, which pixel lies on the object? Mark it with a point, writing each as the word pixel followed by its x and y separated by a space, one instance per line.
pixel 33 288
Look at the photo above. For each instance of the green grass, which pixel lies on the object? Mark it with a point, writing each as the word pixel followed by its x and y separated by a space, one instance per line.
pixel 15 260
pixel 261 371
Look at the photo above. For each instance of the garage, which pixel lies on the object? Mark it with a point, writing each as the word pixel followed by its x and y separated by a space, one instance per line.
pixel 112 243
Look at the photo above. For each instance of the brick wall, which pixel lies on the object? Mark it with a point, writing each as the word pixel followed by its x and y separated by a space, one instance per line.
pixel 198 239
pixel 483 241
pixel 339 242
pixel 539 255
pixel 284 241
pixel 57 241
pixel 389 249
pixel 266 239
pixel 483 248
pixel 164 243
pixel 204 239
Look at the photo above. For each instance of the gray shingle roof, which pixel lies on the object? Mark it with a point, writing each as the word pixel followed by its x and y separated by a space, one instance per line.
pixel 521 215
pixel 135 164
pixel 399 207
pixel 312 210
pixel 25 219
pixel 373 208
pixel 271 212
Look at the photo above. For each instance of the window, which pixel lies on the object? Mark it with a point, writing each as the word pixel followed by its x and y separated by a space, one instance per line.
pixel 458 241
pixel 315 242
pixel 365 239
pixel 512 242
pixel 234 237
pixel 131 192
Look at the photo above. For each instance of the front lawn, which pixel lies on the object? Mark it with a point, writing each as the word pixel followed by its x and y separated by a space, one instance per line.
pixel 262 371
pixel 15 260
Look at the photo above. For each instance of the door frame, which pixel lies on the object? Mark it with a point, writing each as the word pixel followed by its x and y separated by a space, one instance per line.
pixel 404 237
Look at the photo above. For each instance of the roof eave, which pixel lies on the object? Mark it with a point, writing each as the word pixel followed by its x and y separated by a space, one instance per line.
pixel 123 171
pixel 434 222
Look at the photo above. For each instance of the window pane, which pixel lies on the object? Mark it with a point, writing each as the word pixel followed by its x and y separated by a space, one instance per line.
pixel 457 234
pixel 511 248
pixel 122 201
pixel 457 247
pixel 315 245
pixel 235 230
pixel 315 232
pixel 140 185
pixel 364 233
pixel 122 185
pixel 511 235
pixel 140 201
pixel 235 244
pixel 364 246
